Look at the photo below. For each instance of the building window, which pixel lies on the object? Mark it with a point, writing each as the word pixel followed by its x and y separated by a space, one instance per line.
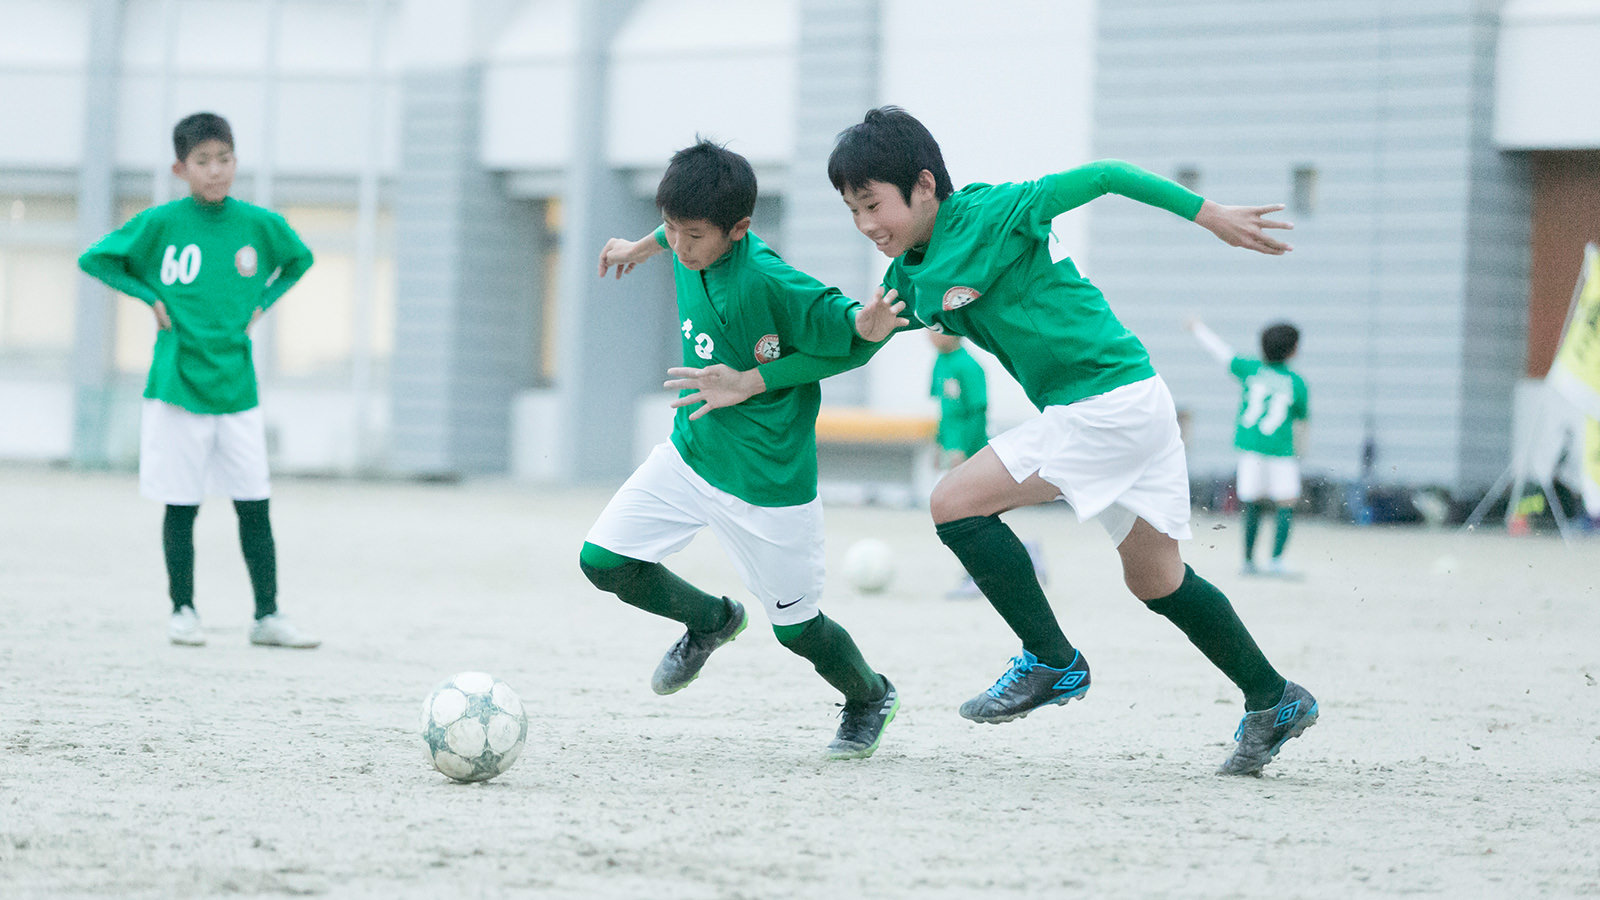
pixel 1189 177
pixel 38 281
pixel 1303 199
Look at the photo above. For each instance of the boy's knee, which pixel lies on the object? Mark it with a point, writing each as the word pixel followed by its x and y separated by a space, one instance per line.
pixel 606 570
pixel 796 637
pixel 945 504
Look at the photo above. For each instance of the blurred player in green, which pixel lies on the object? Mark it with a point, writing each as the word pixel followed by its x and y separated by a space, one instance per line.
pixel 1273 410
pixel 977 263
pixel 959 383
pixel 208 266
pixel 747 473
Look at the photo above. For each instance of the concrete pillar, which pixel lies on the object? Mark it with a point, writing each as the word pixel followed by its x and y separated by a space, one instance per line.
pixel 616 337
pixel 837 83
pixel 463 270
pixel 94 328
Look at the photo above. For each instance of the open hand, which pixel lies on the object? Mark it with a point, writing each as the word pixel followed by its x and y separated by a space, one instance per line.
pixel 714 387
pixel 623 255
pixel 878 318
pixel 1244 226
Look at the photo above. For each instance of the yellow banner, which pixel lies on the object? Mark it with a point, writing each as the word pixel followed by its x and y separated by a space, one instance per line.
pixel 1576 370
pixel 1591 469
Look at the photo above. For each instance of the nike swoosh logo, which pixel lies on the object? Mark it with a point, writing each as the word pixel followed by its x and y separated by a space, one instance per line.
pixel 790 603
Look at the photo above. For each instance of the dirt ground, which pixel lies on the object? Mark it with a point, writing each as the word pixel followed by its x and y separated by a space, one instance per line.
pixel 1458 753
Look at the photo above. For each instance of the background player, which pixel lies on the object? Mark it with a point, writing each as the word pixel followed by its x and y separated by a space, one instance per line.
pixel 208 266
pixel 749 473
pixel 1273 409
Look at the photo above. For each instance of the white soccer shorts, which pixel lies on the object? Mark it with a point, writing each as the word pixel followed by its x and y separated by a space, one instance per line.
pixel 1262 477
pixel 1117 457
pixel 776 550
pixel 186 456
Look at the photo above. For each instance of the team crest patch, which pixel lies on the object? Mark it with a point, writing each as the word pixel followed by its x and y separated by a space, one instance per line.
pixel 767 349
pixel 245 261
pixel 959 296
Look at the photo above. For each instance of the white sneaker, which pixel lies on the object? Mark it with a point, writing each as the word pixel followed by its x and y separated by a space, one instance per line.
pixel 275 631
pixel 184 628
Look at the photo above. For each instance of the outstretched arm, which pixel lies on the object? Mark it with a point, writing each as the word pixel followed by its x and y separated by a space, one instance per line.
pixel 716 386
pixel 1216 346
pixel 623 254
pixel 1237 226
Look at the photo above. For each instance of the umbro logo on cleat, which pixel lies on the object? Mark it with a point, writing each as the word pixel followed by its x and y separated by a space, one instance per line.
pixel 1287 714
pixel 1069 681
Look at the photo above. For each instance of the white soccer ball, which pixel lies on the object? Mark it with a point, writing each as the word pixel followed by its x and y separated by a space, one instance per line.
pixel 869 565
pixel 474 727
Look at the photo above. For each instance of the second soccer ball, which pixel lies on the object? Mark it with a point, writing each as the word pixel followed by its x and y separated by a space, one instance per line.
pixel 869 565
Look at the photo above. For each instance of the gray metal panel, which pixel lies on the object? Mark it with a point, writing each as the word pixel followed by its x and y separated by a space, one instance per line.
pixel 1417 240
pixel 464 278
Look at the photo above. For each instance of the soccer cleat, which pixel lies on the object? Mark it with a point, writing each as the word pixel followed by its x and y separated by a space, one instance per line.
pixel 1026 686
pixel 863 724
pixel 276 631
pixel 684 659
pixel 1249 568
pixel 1261 733
pixel 184 628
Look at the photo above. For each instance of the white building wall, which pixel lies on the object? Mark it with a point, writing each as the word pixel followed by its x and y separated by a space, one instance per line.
pixel 1546 70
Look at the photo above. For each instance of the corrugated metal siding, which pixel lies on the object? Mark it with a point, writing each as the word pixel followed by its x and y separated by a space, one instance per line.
pixel 1416 241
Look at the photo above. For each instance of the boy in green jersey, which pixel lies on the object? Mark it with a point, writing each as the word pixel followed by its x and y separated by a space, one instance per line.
pixel 208 266
pixel 976 263
pixel 748 473
pixel 1273 406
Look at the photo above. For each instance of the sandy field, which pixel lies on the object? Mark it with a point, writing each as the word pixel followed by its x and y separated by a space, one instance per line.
pixel 1458 753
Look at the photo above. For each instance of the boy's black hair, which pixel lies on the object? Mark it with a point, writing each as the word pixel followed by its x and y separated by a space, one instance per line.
pixel 1278 342
pixel 198 128
pixel 891 146
pixel 707 181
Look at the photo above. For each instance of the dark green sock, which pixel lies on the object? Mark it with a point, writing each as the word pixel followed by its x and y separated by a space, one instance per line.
pixel 177 545
pixel 835 656
pixel 260 553
pixel 1281 539
pixel 652 588
pixel 1001 568
pixel 1207 618
pixel 1252 527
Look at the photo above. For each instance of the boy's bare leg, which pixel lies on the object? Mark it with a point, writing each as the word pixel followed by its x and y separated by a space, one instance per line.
pixel 1152 567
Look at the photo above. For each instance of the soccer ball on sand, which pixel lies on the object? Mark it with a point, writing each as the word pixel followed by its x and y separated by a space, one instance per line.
pixel 869 565
pixel 474 727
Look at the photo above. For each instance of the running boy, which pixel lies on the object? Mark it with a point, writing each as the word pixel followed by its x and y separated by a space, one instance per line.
pixel 1272 409
pixel 748 473
pixel 975 262
pixel 208 266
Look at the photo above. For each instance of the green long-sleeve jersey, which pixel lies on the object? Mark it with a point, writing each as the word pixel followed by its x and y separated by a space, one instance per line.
pixel 212 266
pixel 986 274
